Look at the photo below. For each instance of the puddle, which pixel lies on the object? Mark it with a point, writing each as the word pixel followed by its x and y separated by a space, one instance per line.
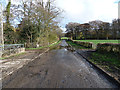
pixel 65 49
pixel 63 45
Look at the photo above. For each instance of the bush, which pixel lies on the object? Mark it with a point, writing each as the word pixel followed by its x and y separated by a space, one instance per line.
pixel 108 47
pixel 84 44
pixel 30 45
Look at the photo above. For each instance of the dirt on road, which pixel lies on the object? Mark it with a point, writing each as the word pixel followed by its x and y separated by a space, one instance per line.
pixel 58 68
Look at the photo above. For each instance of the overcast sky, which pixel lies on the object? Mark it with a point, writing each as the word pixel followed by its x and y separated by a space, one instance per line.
pixel 83 11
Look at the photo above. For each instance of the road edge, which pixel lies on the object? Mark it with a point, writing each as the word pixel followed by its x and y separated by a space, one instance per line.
pixel 110 78
pixel 15 71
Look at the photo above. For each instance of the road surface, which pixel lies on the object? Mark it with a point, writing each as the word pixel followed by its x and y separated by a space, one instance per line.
pixel 58 68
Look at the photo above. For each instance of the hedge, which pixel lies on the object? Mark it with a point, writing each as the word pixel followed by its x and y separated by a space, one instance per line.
pixel 108 47
pixel 84 44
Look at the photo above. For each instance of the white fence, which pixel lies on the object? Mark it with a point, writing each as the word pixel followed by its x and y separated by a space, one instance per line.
pixel 10 49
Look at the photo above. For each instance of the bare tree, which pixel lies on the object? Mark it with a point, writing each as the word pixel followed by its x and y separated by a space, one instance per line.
pixel 97 27
pixel 37 20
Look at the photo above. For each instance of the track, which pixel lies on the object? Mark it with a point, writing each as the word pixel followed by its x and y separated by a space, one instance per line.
pixel 58 68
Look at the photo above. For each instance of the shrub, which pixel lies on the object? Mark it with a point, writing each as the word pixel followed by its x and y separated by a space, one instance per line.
pixel 84 44
pixel 108 47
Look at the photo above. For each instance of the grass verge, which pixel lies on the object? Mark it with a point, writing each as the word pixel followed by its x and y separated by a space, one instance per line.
pixel 44 46
pixel 31 49
pixel 76 45
pixel 108 61
pixel 64 38
pixel 100 41
pixel 12 56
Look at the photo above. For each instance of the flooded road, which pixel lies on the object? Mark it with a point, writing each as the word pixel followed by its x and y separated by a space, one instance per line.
pixel 58 68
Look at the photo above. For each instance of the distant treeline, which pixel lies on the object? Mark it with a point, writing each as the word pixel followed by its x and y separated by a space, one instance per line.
pixel 94 30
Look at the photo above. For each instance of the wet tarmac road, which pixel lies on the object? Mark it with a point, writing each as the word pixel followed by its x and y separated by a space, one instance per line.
pixel 58 68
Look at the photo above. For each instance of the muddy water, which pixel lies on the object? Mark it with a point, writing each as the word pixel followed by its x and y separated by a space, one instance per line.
pixel 58 68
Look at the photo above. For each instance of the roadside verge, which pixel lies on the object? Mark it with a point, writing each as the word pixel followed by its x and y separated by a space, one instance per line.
pixel 82 53
pixel 14 63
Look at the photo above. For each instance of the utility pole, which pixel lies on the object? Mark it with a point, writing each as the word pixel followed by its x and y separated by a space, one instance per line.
pixel 1 31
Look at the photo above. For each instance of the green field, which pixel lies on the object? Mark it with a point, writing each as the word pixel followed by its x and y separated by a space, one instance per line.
pixel 100 41
pixel 64 38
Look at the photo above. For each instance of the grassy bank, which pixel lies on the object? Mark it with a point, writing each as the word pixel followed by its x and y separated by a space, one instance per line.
pixel 100 41
pixel 12 56
pixel 31 49
pixel 76 45
pixel 64 38
pixel 108 61
pixel 43 46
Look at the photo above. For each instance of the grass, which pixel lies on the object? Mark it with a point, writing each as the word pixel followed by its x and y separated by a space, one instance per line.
pixel 12 56
pixel 2 58
pixel 100 41
pixel 65 38
pixel 44 46
pixel 31 49
pixel 76 45
pixel 107 60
